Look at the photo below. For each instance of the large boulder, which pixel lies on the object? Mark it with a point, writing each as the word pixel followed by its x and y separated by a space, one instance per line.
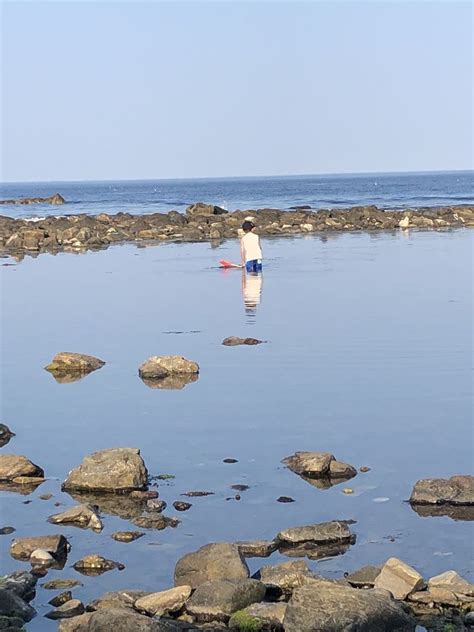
pixel 159 367
pixel 200 208
pixel 325 606
pixel 115 470
pixel 399 579
pixel 450 580
pixel 218 600
pixel 13 466
pixel 84 516
pixel 11 605
pixel 457 490
pixel 210 562
pixel 319 465
pixel 68 363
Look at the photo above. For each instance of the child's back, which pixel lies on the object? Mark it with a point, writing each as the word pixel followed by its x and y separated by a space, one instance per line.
pixel 250 248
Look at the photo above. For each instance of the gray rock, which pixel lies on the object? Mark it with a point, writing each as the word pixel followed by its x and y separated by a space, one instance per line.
pixel 450 580
pixel 210 562
pixel 323 534
pixel 158 367
pixel 22 583
pixel 67 610
pixel 181 505
pixel 155 504
pixel 399 579
pixel 164 602
pixel 118 599
pixel 457 490
pixel 5 435
pixel 105 620
pixel 13 466
pixel 56 545
pixel 364 577
pixel 114 470
pixel 257 548
pixel 60 599
pixel 264 617
pixel 68 363
pixel 284 577
pixel 218 600
pixel 84 516
pixel 319 465
pixel 233 341
pixel 330 607
pixel 11 605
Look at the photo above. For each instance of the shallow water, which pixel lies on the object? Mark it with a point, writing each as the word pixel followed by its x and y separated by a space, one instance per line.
pixel 368 357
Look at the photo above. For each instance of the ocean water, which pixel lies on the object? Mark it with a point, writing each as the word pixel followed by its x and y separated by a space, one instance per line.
pixel 384 190
pixel 368 357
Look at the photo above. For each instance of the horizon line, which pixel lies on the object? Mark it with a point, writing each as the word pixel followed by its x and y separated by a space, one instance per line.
pixel 240 177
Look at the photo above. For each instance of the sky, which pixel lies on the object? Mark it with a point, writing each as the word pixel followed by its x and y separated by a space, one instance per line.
pixel 144 90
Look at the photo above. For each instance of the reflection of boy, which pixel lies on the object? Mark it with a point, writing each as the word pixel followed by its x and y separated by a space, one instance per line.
pixel 252 291
pixel 250 250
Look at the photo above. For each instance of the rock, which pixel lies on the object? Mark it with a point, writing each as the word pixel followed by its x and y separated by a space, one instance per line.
pixel 13 466
pixel 319 465
pixel 180 505
pixel 7 530
pixel 155 504
pixel 435 595
pixel 364 468
pixel 285 499
pixel 116 619
pixel 328 607
pixel 158 367
pixel 144 495
pixel 262 616
pixel 70 363
pixel 196 494
pixel 127 536
pixel 59 584
pixel 364 577
pixel 5 435
pixel 164 602
pixel 218 600
pixel 257 548
pixel 157 521
pixel 56 545
pixel 28 480
pixel 334 532
pixel 71 608
pixel 233 341
pixel 115 470
pixel 204 209
pixel 60 599
pixel 21 583
pixel 11 624
pixel 40 557
pixel 457 490
pixel 11 605
pixel 450 580
pixel 122 599
pixel 84 516
pixel 45 496
pixel 230 460
pixel 399 579
pixel 284 577
pixel 96 565
pixel 210 562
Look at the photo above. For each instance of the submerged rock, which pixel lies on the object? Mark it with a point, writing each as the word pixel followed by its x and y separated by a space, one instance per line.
pixel 455 512
pixel 55 545
pixel 157 367
pixel 399 579
pixel 96 565
pixel 14 467
pixel 164 602
pixel 156 521
pixel 171 382
pixel 84 516
pixel 181 505
pixel 127 536
pixel 60 584
pixel 319 466
pixel 218 600
pixel 326 606
pixel 5 435
pixel 457 490
pixel 210 562
pixel 73 363
pixel 115 470
pixel 233 341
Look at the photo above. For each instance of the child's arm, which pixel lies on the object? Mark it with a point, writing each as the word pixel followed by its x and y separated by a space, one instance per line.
pixel 242 252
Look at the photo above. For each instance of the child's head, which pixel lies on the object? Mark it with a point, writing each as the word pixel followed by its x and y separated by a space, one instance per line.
pixel 248 226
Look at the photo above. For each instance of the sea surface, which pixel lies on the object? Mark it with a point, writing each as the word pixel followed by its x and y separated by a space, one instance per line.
pixel 368 356
pixel 335 191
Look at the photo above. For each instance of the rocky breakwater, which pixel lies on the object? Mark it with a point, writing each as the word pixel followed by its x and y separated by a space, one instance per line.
pixel 201 222
pixel 52 199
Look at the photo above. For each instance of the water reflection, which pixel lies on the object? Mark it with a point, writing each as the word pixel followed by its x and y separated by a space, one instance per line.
pixel 455 512
pixel 171 382
pixel 252 293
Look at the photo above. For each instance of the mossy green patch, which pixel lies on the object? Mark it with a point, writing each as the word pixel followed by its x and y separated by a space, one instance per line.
pixel 244 622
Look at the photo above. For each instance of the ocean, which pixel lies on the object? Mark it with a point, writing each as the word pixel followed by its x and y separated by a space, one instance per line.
pixel 318 191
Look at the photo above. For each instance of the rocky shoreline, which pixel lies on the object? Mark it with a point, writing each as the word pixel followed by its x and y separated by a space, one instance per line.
pixel 204 222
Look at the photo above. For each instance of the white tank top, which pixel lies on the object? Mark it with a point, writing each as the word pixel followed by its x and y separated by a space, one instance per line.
pixel 251 245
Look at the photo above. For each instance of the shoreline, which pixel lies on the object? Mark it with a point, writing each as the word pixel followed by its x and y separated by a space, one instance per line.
pixel 203 222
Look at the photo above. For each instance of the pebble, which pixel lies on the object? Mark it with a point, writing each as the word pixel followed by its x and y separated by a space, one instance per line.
pixel 348 490
pixel 240 488
pixel 364 468
pixel 285 499
pixel 46 496
pixel 127 536
pixel 230 461
pixel 156 505
pixel 180 505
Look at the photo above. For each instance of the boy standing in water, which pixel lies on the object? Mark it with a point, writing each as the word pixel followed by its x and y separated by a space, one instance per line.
pixel 250 250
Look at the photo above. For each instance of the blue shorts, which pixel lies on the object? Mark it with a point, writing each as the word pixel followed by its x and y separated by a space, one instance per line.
pixel 255 265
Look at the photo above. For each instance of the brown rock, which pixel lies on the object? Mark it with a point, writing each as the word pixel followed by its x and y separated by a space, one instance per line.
pixel 13 466
pixel 399 578
pixel 66 362
pixel 457 490
pixel 211 562
pixel 56 545
pixel 164 602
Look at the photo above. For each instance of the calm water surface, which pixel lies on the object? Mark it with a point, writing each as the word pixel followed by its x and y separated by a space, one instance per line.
pixel 368 357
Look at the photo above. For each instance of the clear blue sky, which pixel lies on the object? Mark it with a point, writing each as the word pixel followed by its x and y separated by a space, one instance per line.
pixel 132 90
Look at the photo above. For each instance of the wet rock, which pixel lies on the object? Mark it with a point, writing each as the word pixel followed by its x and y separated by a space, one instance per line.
pixel 210 562
pixel 45 496
pixel 326 606
pixel 457 490
pixel 5 435
pixel 218 600
pixel 157 521
pixel 164 602
pixel 334 532
pixel 233 341
pixel 158 367
pixel 285 499
pixel 22 583
pixel 171 382
pixel 60 584
pixel 154 504
pixel 284 577
pixel 71 608
pixel 262 617
pixel 257 548
pixel 364 577
pixel 84 516
pixel 450 580
pixel 180 505
pixel 55 545
pixel 96 565
pixel 13 467
pixel 115 470
pixel 60 599
pixel 72 363
pixel 105 620
pixel 399 579
pixel 7 530
pixel 11 605
pixel 196 494
pixel 319 465
pixel 127 536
